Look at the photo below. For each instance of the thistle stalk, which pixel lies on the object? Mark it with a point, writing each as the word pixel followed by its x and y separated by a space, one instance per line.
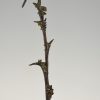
pixel 44 65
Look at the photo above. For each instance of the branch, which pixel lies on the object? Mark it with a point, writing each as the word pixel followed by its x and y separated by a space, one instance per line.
pixel 41 64
pixel 42 24
pixel 44 65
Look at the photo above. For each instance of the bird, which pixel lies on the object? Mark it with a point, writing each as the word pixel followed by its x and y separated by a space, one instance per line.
pixel 24 3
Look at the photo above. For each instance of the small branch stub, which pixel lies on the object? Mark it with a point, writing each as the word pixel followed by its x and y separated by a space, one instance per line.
pixel 24 3
pixel 41 64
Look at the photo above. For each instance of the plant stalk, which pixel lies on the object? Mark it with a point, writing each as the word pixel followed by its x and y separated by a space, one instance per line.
pixel 44 65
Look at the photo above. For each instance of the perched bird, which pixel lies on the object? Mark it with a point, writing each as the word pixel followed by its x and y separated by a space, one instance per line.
pixel 51 41
pixel 49 44
pixel 24 3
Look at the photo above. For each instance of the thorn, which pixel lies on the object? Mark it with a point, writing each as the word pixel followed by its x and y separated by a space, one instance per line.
pixel 24 3
pixel 36 63
pixel 33 64
pixel 41 64
pixel 51 41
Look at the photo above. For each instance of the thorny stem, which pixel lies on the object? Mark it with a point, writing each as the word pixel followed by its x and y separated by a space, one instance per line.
pixel 44 65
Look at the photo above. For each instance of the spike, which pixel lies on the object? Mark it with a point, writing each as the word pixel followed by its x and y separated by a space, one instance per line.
pixel 51 41
pixel 24 3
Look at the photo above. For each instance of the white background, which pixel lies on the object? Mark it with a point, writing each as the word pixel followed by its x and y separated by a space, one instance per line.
pixel 74 69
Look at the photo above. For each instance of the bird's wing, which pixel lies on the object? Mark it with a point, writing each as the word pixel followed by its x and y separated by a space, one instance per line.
pixel 24 3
